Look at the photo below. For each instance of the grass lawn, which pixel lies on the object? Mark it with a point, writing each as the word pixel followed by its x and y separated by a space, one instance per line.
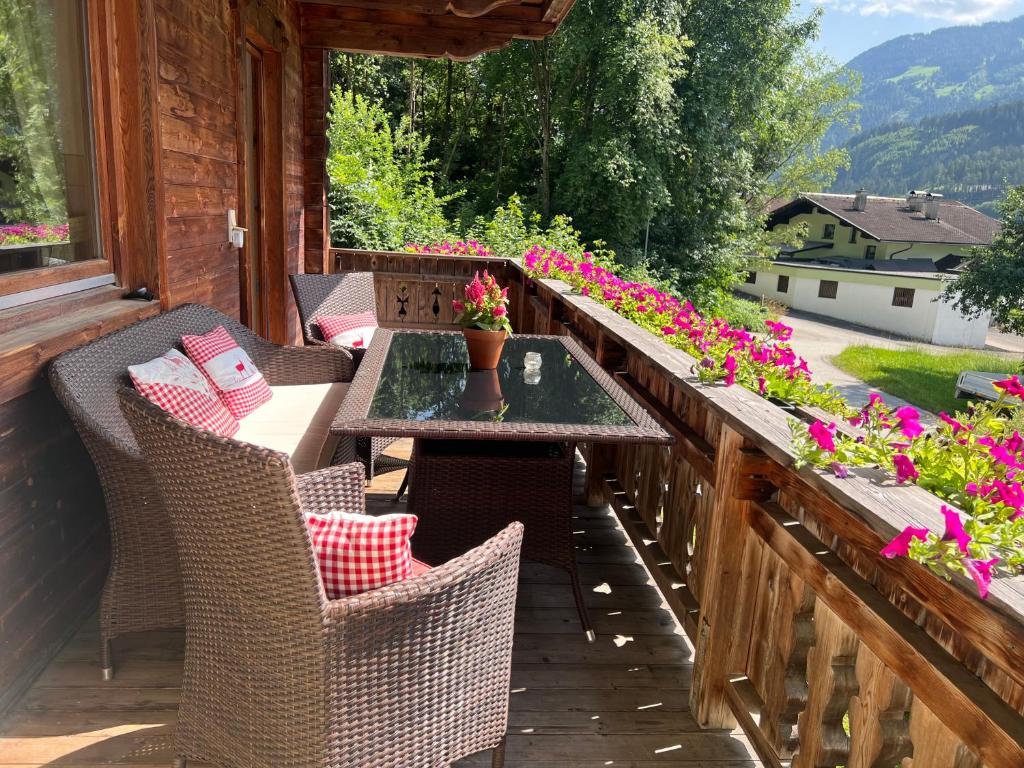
pixel 926 379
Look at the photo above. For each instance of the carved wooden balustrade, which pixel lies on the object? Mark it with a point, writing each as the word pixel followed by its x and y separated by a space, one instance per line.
pixel 824 652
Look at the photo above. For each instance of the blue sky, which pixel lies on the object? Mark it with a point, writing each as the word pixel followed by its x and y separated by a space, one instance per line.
pixel 850 27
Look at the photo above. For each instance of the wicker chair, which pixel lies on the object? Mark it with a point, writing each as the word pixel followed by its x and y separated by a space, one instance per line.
pixel 350 293
pixel 143 587
pixel 276 675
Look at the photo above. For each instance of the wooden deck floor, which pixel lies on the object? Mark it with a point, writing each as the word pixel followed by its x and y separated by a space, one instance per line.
pixel 621 701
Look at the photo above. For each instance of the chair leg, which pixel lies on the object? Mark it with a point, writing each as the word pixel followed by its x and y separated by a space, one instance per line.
pixel 581 607
pixel 106 660
pixel 180 762
pixel 402 487
pixel 498 755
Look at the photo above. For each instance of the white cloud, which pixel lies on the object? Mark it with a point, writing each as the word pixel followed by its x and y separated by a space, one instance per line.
pixel 955 11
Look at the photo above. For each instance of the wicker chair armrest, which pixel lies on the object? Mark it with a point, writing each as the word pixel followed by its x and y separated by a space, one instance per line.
pixel 283 365
pixel 433 651
pixel 494 565
pixel 334 489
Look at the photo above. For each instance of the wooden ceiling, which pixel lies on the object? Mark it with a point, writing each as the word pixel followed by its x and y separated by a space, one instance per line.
pixel 455 29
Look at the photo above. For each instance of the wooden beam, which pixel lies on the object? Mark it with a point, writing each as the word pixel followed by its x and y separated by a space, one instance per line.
pixel 316 224
pixel 463 8
pixel 361 30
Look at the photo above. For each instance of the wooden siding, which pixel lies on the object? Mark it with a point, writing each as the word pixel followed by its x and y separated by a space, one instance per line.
pixel 198 53
pixel 53 537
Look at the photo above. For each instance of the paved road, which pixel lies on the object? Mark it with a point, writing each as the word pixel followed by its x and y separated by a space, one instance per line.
pixel 819 340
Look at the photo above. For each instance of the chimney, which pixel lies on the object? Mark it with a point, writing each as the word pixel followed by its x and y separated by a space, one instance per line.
pixel 915 200
pixel 860 200
pixel 931 208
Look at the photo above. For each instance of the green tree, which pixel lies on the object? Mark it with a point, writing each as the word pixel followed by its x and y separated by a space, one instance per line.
pixel 381 184
pixel 994 278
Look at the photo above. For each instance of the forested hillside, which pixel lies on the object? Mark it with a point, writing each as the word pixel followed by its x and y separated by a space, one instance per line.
pixel 948 70
pixel 967 155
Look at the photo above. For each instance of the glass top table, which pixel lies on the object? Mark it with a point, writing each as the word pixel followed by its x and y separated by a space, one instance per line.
pixel 419 384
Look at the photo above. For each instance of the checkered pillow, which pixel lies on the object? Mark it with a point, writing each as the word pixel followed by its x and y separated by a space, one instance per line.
pixel 355 331
pixel 240 385
pixel 357 553
pixel 173 382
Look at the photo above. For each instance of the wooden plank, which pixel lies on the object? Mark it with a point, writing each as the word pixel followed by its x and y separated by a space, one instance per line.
pixel 25 352
pixel 980 718
pixel 695 449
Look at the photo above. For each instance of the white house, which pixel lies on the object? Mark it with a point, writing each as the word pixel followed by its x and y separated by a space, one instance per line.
pixel 881 262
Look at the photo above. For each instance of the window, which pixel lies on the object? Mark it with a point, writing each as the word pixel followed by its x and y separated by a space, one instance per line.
pixel 783 286
pixel 828 289
pixel 828 232
pixel 853 235
pixel 751 278
pixel 869 251
pixel 48 208
pixel 903 297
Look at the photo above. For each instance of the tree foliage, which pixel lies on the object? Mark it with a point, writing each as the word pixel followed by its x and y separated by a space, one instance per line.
pixel 994 278
pixel 659 126
pixel 381 192
pixel 32 179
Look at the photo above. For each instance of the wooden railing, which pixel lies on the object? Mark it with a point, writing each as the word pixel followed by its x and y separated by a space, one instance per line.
pixel 821 650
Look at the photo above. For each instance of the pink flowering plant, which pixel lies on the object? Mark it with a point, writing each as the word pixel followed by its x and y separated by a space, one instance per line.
pixel 974 462
pixel 485 305
pixel 447 248
pixel 33 234
pixel 764 363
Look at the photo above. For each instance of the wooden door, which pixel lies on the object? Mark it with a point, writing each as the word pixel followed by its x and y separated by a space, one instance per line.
pixel 253 264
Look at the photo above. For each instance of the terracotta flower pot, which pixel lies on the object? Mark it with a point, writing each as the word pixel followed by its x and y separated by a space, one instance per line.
pixel 484 347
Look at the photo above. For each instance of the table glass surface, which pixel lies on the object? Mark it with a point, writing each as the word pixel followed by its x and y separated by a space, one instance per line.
pixel 426 377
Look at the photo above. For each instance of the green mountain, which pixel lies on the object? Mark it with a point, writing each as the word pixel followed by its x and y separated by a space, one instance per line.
pixel 967 155
pixel 948 70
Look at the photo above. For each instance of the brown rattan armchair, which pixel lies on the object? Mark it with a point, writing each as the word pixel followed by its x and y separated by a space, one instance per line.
pixel 350 293
pixel 413 675
pixel 143 587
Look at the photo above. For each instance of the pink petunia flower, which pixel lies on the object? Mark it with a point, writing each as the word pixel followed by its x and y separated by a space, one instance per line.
pixel 823 436
pixel 955 529
pixel 900 544
pixel 908 422
pixel 1011 386
pixel 840 470
pixel 730 370
pixel 905 469
pixel 981 572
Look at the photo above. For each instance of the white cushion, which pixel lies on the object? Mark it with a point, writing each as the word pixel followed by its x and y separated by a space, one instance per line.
pixel 297 421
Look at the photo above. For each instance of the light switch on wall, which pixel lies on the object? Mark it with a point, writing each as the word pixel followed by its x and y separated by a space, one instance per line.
pixel 236 234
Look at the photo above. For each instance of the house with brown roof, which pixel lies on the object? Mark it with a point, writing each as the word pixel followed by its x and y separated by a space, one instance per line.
pixel 920 226
pixel 880 262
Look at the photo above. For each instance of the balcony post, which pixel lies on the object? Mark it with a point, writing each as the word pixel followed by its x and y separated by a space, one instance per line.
pixel 723 626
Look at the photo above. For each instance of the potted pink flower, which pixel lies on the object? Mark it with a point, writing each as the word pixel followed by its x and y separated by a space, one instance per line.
pixel 483 315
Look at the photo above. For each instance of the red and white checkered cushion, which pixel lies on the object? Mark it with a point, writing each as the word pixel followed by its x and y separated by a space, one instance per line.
pixel 238 382
pixel 355 331
pixel 357 553
pixel 173 382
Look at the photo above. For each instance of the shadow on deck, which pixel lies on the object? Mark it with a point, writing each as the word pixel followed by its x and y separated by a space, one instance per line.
pixel 621 701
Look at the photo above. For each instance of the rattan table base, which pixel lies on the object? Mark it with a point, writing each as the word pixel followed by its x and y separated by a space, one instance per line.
pixel 464 491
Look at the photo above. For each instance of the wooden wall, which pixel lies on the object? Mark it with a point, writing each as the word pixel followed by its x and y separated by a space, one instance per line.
pixel 198 48
pixel 53 537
